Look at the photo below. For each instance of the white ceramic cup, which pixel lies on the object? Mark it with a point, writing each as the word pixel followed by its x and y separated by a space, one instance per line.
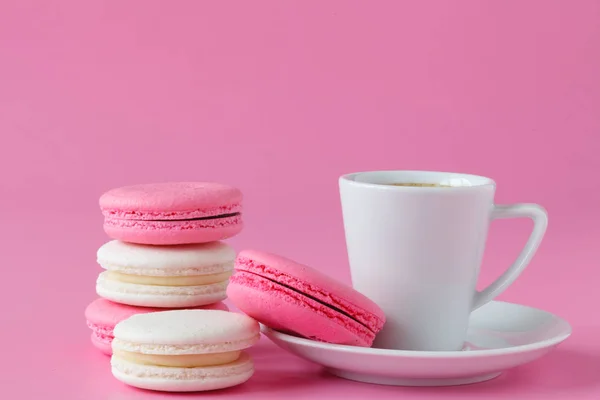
pixel 416 251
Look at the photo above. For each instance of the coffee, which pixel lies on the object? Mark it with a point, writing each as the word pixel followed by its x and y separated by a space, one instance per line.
pixel 417 184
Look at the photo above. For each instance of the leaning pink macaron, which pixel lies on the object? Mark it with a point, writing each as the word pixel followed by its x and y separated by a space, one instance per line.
pixel 291 297
pixel 103 315
pixel 172 213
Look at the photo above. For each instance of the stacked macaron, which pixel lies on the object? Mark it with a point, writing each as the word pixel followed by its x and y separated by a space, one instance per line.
pixel 166 253
pixel 184 350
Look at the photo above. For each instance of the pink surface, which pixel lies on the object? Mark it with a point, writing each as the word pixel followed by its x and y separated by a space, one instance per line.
pixel 310 292
pixel 279 99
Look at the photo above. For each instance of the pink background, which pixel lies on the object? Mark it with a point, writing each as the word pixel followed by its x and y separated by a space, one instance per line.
pixel 280 98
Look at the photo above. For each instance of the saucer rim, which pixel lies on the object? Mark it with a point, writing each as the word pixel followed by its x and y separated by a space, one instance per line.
pixel 543 344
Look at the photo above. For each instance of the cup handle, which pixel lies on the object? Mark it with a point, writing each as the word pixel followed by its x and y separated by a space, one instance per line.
pixel 540 222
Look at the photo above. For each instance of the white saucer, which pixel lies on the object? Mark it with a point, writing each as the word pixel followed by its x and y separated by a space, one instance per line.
pixel 501 336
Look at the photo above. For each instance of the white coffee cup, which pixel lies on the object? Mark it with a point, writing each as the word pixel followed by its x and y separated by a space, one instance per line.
pixel 416 251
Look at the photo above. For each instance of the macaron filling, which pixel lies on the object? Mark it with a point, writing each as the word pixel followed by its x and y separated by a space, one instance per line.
pixel 180 225
pixel 170 378
pixel 185 280
pixel 226 211
pixel 340 305
pixel 203 348
pixel 182 220
pixel 159 295
pixel 201 218
pixel 178 361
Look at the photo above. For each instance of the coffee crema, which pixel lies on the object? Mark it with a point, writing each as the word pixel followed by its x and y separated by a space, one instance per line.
pixel 415 184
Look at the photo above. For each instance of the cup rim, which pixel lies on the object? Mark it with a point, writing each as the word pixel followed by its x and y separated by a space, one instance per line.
pixel 349 178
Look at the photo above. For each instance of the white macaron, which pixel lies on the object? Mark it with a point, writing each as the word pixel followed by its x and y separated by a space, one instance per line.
pixel 164 276
pixel 184 350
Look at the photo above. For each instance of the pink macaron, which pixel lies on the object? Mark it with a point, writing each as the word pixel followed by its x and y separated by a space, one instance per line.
pixel 294 298
pixel 172 213
pixel 102 315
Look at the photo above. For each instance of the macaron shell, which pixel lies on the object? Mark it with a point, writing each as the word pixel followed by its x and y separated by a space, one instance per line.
pixel 172 379
pixel 287 310
pixel 163 200
pixel 313 283
pixel 160 296
pixel 177 260
pixel 102 345
pixel 173 232
pixel 170 233
pixel 186 332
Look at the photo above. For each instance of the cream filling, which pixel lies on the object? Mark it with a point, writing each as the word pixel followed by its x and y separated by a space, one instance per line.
pixel 194 280
pixel 179 361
